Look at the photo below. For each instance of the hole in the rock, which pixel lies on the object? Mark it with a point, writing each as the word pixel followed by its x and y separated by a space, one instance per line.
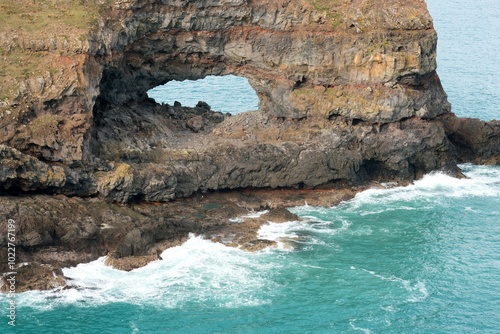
pixel 373 169
pixel 227 94
pixel 356 121
pixel 300 83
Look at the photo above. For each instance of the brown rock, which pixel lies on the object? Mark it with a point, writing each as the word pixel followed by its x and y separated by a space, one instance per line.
pixel 344 100
pixel 24 172
pixel 257 245
pixel 34 276
pixel 347 98
pixel 195 123
pixel 129 263
pixel 298 57
pixel 475 140
pixel 280 215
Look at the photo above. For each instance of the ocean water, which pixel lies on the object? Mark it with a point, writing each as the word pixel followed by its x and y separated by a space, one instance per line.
pixel 468 57
pixel 228 94
pixel 418 259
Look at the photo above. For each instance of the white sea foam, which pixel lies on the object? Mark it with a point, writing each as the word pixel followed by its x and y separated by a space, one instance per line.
pixel 307 231
pixel 311 210
pixel 390 309
pixel 283 233
pixel 364 230
pixel 276 232
pixel 197 272
pixel 388 209
pixel 201 272
pixel 134 328
pixel 364 330
pixel 417 289
pixel 433 189
pixel 238 220
pixel 256 214
pixel 482 181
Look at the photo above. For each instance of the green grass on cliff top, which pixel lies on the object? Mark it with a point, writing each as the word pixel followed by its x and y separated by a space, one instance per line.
pixel 323 4
pixel 38 16
pixel 328 6
pixel 22 21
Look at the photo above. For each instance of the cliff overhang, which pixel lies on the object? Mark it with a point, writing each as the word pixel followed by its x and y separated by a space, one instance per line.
pixel 348 95
pixel 325 64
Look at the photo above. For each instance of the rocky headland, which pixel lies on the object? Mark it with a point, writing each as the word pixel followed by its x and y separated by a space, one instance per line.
pixel 348 95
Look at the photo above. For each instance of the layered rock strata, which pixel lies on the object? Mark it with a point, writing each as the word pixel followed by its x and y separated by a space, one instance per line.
pixel 348 95
pixel 364 60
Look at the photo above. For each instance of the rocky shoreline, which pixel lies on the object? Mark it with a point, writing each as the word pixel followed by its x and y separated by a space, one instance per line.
pixel 54 232
pixel 131 221
pixel 349 98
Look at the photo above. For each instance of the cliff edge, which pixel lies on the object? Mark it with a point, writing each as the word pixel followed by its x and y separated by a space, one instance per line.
pixel 348 95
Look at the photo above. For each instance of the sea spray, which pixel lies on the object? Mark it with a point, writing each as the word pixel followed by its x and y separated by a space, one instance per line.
pixel 415 259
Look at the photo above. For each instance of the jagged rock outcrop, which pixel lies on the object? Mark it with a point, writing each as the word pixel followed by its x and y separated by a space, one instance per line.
pixel 53 232
pixel 348 95
pixel 475 140
pixel 332 64
pixel 303 58
pixel 35 276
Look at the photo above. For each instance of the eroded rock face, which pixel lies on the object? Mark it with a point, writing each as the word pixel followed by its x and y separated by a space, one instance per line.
pixel 35 276
pixel 53 232
pixel 348 95
pixel 304 59
pixel 476 141
pixel 359 75
pixel 348 92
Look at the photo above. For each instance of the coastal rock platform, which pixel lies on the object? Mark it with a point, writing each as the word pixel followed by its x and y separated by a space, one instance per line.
pixel 349 97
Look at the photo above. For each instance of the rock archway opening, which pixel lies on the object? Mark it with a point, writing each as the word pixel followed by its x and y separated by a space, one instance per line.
pixel 227 94
pixel 141 125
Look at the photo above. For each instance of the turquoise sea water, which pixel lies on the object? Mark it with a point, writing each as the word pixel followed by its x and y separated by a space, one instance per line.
pixel 418 259
pixel 468 54
pixel 228 94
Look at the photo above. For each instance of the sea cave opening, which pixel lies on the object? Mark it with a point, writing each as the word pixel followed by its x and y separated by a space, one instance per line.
pixel 228 94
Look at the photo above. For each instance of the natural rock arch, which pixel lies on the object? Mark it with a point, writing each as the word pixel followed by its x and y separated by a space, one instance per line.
pixel 288 51
pixel 304 58
pixel 304 62
pixel 356 76
pixel 298 65
pixel 348 90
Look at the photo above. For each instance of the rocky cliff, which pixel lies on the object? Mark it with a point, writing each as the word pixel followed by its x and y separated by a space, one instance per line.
pixel 348 94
